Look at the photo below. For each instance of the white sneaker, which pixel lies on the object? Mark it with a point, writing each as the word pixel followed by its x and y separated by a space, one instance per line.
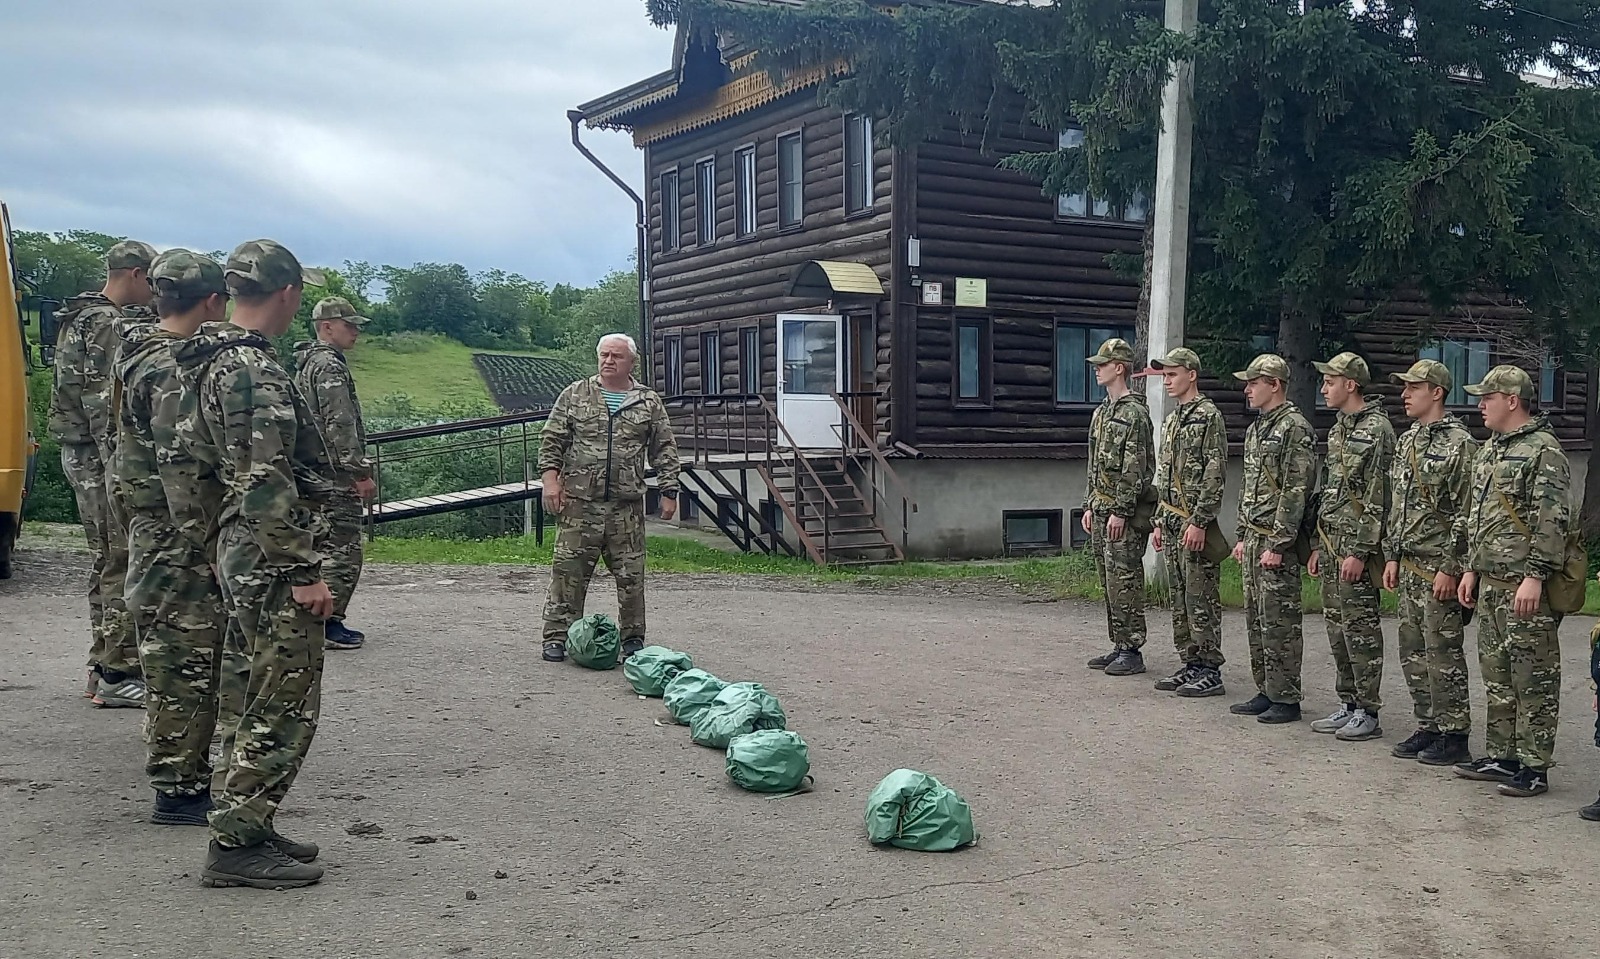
pixel 1335 722
pixel 1362 725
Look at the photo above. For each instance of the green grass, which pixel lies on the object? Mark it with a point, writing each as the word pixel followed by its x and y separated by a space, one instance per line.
pixel 433 370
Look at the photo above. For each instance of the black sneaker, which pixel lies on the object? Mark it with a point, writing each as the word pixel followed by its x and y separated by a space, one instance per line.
pixel 339 636
pixel 1447 749
pixel 1207 681
pixel 298 851
pixel 1279 713
pixel 1103 660
pixel 1412 747
pixel 631 646
pixel 262 866
pixel 1528 782
pixel 1179 678
pixel 1127 662
pixel 1489 770
pixel 181 810
pixel 1252 707
pixel 1591 812
pixel 555 652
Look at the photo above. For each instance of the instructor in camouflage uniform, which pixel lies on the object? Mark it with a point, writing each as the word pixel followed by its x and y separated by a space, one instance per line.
pixel 1429 484
pixel 1352 502
pixel 172 593
pixel 324 379
pixel 255 428
pixel 81 418
pixel 1279 473
pixel 1515 528
pixel 1121 463
pixel 601 433
pixel 1190 474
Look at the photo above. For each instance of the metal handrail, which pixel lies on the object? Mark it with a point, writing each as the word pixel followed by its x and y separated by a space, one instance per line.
pixel 871 448
pixel 458 426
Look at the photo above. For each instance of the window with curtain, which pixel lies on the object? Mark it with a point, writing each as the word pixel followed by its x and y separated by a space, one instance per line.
pixel 706 200
pixel 858 163
pixel 1085 205
pixel 791 181
pixel 744 173
pixel 671 213
pixel 1468 362
pixel 973 362
pixel 1074 345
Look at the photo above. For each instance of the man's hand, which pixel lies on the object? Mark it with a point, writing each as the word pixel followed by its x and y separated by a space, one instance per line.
pixel 1194 538
pixel 1114 527
pixel 1352 569
pixel 1155 538
pixel 1391 576
pixel 1315 566
pixel 669 507
pixel 1527 600
pixel 316 599
pixel 1271 560
pixel 554 496
pixel 1238 552
pixel 1088 521
pixel 366 488
pixel 1469 585
pixel 1444 587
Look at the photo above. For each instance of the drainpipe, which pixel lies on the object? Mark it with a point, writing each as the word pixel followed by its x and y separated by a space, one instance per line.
pixel 643 226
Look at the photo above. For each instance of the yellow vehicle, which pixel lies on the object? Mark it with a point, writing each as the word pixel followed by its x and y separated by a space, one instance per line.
pixel 17 447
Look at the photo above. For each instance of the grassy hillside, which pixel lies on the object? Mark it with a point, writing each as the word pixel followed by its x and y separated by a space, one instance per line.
pixel 432 370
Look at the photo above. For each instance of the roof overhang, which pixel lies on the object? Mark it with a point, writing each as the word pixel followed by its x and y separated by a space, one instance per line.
pixel 826 279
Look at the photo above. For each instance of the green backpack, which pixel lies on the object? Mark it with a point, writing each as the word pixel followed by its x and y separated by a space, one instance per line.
pixel 740 708
pixel 690 693
pixel 650 669
pixel 768 761
pixel 594 641
pixel 913 810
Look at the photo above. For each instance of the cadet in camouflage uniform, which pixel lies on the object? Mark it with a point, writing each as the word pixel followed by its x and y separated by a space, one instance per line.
pixel 601 433
pixel 1429 484
pixel 324 380
pixel 81 418
pixel 252 425
pixel 172 595
pixel 1348 555
pixel 1121 463
pixel 1279 477
pixel 1515 528
pixel 1190 474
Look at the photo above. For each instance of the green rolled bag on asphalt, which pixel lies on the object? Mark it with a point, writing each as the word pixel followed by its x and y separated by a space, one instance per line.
pixel 650 669
pixel 594 641
pixel 690 693
pixel 913 810
pixel 740 708
pixel 768 761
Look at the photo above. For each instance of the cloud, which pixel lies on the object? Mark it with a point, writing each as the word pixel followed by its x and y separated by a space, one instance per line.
pixel 395 131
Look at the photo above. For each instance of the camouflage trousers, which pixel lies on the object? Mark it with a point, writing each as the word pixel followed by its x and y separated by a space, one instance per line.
pixel 1196 602
pixel 1521 664
pixel 1432 655
pixel 270 691
pixel 1272 612
pixel 113 646
pixel 1350 611
pixel 342 549
pixel 588 530
pixel 176 606
pixel 1120 566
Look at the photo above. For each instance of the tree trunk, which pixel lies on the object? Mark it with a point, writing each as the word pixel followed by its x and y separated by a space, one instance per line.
pixel 1141 312
pixel 1589 513
pixel 1297 343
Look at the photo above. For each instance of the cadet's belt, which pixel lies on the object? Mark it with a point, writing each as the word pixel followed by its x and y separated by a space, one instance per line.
pixel 1498 583
pixel 1168 507
pixel 1418 569
pixel 1260 530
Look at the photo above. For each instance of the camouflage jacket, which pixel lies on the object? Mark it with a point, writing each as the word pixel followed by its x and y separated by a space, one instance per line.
pixel 86 352
pixel 251 425
pixel 1193 465
pixel 601 456
pixel 1518 508
pixel 1354 495
pixel 1121 460
pixel 1428 487
pixel 1279 473
pixel 324 380
pixel 154 474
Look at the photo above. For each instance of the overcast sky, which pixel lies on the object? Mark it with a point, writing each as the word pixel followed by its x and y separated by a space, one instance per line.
pixel 395 131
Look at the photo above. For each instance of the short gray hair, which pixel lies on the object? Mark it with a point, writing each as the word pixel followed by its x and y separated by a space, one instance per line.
pixel 633 347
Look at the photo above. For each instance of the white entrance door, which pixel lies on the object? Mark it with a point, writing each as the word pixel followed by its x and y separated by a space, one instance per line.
pixel 809 372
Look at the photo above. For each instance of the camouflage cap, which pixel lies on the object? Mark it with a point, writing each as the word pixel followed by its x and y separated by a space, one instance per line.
pixel 186 274
pixel 130 255
pixel 1181 357
pixel 1426 371
pixel 1113 350
pixel 336 308
pixel 1347 365
pixel 1510 380
pixel 266 266
pixel 1267 364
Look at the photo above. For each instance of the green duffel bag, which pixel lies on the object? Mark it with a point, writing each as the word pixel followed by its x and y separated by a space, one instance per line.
pixel 768 761
pixel 913 810
pixel 594 641
pixel 650 669
pixel 690 693
pixel 740 708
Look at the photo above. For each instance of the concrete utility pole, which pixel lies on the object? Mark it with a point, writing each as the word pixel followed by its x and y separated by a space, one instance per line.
pixel 1169 270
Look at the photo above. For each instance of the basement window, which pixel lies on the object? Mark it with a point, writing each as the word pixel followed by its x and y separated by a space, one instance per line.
pixel 1032 532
